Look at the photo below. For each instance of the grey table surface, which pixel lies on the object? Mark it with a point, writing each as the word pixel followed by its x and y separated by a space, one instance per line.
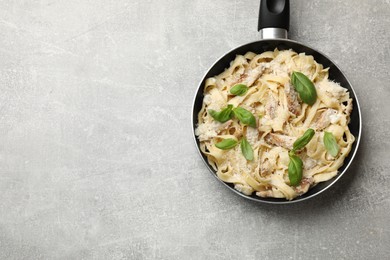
pixel 97 159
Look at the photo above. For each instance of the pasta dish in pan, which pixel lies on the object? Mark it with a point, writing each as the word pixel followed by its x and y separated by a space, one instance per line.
pixel 273 124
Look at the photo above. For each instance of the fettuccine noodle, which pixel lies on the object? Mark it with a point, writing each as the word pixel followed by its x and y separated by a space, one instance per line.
pixel 281 118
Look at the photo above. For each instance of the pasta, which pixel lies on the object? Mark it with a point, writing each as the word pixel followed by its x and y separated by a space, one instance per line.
pixel 281 118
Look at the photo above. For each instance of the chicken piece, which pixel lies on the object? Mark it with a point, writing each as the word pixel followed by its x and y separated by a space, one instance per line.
pixel 249 77
pixel 292 100
pixel 271 107
pixel 325 119
pixel 284 141
pixel 266 168
pixel 304 186
pixel 253 75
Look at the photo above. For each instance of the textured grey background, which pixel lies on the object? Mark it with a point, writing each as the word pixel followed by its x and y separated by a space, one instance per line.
pixel 97 159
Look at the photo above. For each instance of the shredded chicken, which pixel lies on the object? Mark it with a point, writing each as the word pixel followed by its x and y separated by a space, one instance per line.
pixel 266 168
pixel 325 119
pixel 292 100
pixel 253 75
pixel 304 186
pixel 271 106
pixel 280 140
pixel 248 78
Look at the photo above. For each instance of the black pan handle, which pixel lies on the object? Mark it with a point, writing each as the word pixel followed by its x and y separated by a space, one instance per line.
pixel 274 14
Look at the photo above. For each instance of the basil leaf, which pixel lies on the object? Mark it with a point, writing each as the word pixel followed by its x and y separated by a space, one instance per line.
pixel 295 170
pixel 303 140
pixel 305 88
pixel 246 149
pixel 331 144
pixel 239 90
pixel 222 116
pixel 245 116
pixel 226 144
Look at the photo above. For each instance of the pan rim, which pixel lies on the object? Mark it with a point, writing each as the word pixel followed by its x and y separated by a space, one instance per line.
pixel 259 199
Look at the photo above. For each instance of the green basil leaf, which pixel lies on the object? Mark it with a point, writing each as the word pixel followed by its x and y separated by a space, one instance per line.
pixel 303 140
pixel 331 144
pixel 295 170
pixel 226 144
pixel 246 149
pixel 239 90
pixel 245 116
pixel 305 88
pixel 222 116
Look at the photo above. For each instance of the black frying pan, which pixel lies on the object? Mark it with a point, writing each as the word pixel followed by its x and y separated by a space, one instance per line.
pixel 273 26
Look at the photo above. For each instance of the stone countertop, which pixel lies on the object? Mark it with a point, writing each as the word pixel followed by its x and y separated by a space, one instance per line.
pixel 97 159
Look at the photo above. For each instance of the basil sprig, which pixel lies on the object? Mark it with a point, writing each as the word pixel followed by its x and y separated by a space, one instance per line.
pixel 226 144
pixel 239 90
pixel 303 140
pixel 295 167
pixel 246 149
pixel 245 116
pixel 222 116
pixel 331 144
pixel 227 113
pixel 295 170
pixel 230 143
pixel 305 88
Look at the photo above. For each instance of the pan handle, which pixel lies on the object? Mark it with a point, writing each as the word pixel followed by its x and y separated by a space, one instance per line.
pixel 274 19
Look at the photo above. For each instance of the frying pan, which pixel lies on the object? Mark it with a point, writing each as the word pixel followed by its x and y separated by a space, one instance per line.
pixel 273 26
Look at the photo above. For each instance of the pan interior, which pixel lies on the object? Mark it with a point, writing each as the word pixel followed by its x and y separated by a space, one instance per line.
pixel 334 74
